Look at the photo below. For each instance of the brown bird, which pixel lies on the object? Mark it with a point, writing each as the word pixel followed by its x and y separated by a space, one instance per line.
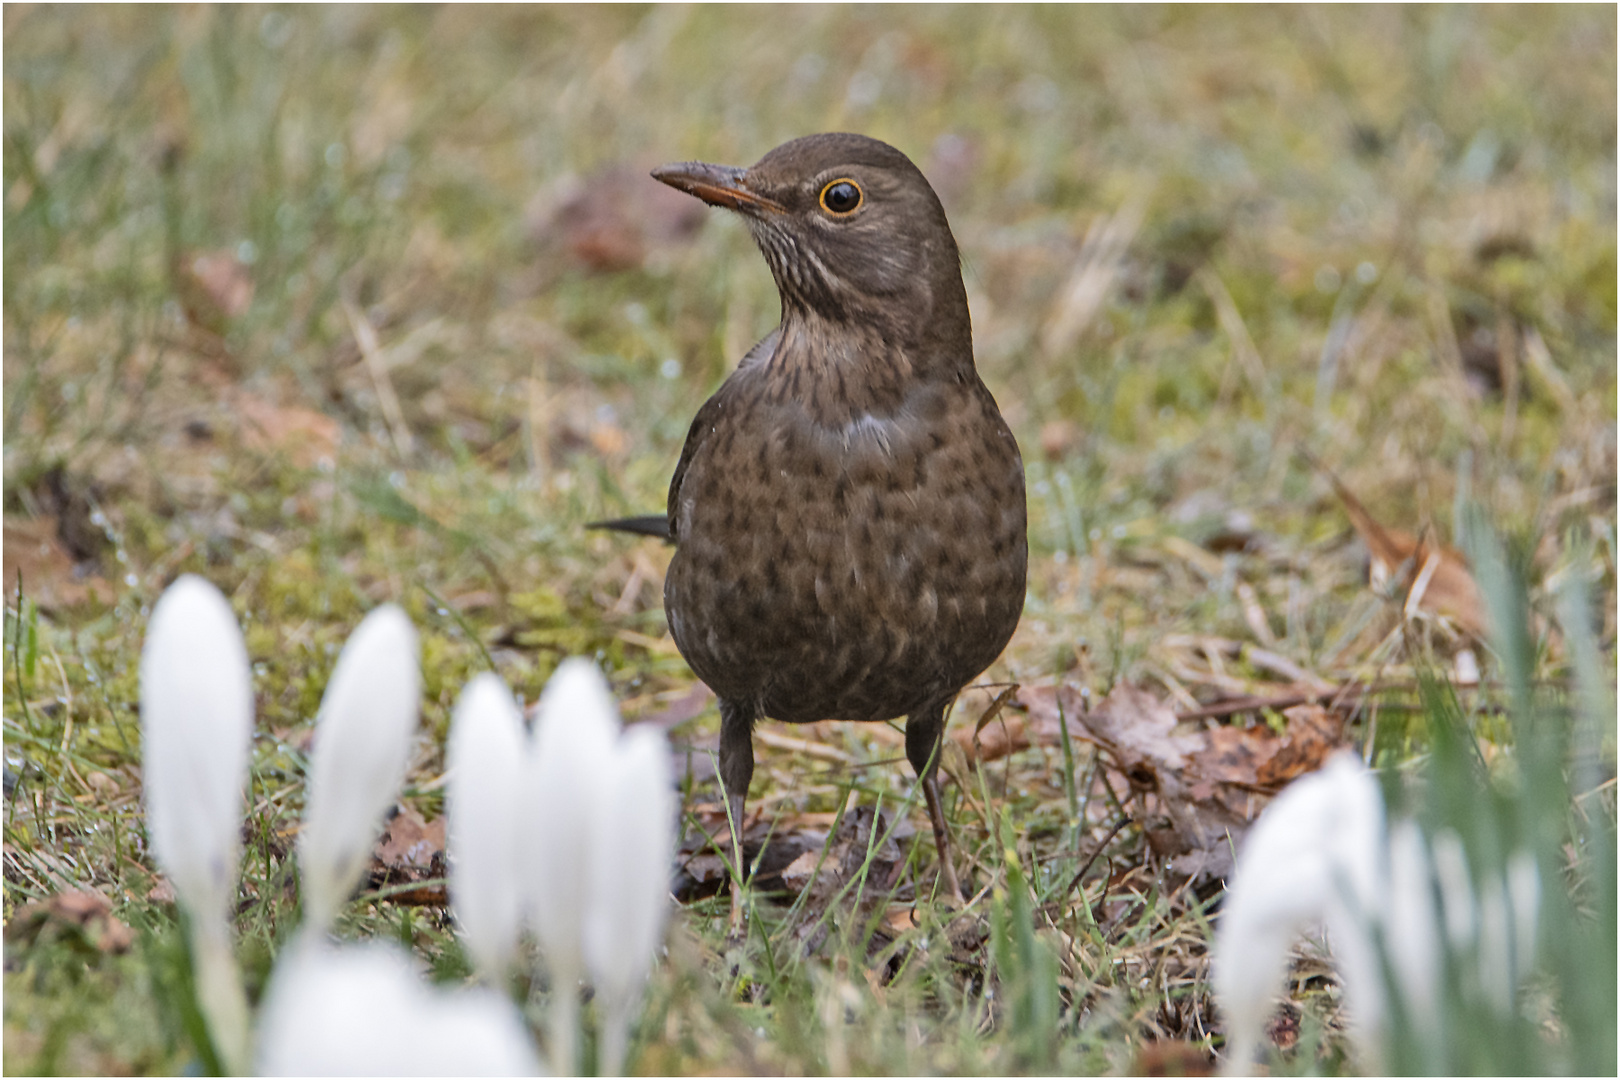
pixel 848 511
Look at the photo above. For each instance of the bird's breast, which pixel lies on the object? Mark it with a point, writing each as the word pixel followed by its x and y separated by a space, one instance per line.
pixel 849 570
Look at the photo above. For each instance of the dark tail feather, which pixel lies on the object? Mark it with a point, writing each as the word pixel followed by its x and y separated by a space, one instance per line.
pixel 646 525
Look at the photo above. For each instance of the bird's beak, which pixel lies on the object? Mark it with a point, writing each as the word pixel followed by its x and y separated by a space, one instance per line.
pixel 717 185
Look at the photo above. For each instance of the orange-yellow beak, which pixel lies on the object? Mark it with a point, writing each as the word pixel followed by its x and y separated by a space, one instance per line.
pixel 717 185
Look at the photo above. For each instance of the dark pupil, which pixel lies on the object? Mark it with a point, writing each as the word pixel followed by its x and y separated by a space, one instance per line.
pixel 842 198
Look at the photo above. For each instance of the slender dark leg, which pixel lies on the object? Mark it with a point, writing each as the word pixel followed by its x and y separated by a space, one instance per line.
pixel 736 770
pixel 924 731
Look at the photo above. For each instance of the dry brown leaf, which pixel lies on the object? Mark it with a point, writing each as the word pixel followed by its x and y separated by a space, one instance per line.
pixel 1313 735
pixel 1283 1030
pixel 75 914
pixel 475 600
pixel 214 288
pixel 1210 783
pixel 1434 577
pixel 409 842
pixel 1172 1057
pixel 613 218
pixel 900 918
pixel 1230 756
pixel 608 439
pixel 1046 705
pixel 50 577
pixel 410 851
pixel 1059 439
pixel 1004 735
pixel 225 279
pixel 687 706
pixel 307 437
pixel 846 854
pixel 702 865
pixel 1138 731
pixel 995 733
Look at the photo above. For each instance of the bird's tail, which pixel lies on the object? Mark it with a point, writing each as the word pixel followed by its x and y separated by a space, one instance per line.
pixel 656 525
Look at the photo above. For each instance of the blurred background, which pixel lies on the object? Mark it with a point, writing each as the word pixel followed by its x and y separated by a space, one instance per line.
pixel 417 251
pixel 338 305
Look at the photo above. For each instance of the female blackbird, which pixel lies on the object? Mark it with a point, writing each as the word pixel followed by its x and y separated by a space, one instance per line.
pixel 848 511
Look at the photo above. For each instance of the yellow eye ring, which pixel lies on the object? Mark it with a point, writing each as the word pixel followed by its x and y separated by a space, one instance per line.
pixel 842 197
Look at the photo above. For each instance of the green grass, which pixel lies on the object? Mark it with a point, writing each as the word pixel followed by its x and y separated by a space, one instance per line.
pixel 1341 209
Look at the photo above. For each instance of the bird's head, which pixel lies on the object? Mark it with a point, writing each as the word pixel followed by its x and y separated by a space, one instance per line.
pixel 850 227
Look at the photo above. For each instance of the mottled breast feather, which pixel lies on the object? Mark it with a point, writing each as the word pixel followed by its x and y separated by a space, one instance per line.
pixel 835 563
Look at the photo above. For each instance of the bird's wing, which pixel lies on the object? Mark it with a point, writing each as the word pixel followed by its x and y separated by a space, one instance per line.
pixel 703 422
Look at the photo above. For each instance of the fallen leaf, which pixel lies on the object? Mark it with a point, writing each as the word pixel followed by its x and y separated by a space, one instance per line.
pixel 226 279
pixel 1172 1057
pixel 1283 1030
pixel 701 867
pixel 475 600
pixel 49 575
pixel 1313 735
pixel 1137 729
pixel 900 918
pixel 409 842
pixel 613 218
pixel 1433 577
pixel 73 500
pixel 1058 439
pixel 410 851
pixel 1048 707
pixel 608 439
pixel 846 861
pixel 77 916
pixel 307 437
pixel 1210 783
pixel 996 733
pixel 1004 735
pixel 688 706
pixel 214 288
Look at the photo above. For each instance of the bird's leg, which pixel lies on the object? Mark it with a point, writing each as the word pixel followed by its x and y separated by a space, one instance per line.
pixel 925 730
pixel 736 770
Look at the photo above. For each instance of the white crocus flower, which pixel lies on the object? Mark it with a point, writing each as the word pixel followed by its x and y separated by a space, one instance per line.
pixel 633 845
pixel 1524 900
pixel 1411 927
pixel 1456 888
pixel 363 1010
pixel 1320 855
pixel 196 730
pixel 1311 857
pixel 573 748
pixel 362 746
pixel 487 758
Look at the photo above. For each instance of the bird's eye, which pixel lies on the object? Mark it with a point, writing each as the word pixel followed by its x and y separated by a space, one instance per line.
pixel 841 197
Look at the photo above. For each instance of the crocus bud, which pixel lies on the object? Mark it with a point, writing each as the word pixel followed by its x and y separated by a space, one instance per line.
pixel 573 747
pixel 1313 856
pixel 196 730
pixel 364 1011
pixel 633 844
pixel 362 745
pixel 487 759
